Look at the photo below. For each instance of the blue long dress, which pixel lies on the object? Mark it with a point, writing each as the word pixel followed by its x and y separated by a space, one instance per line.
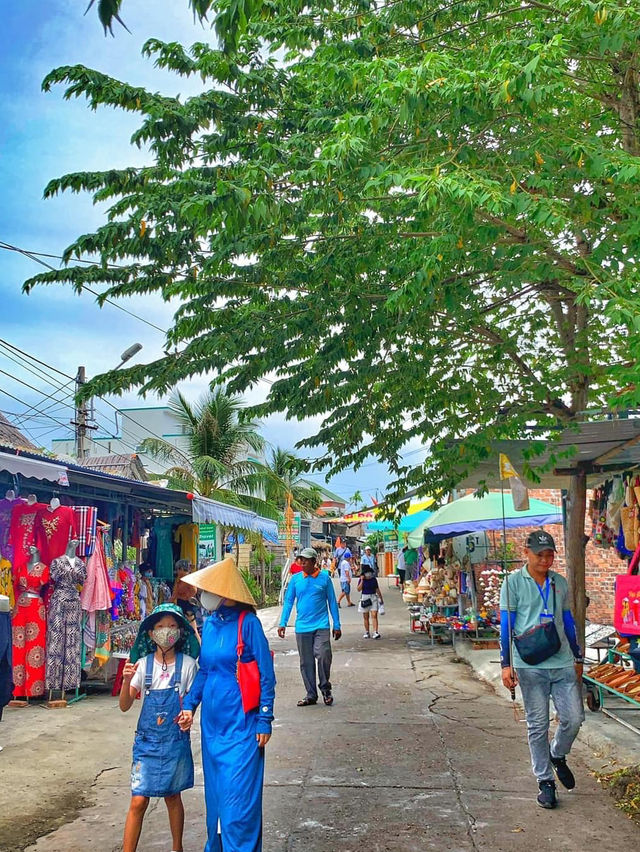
pixel 232 762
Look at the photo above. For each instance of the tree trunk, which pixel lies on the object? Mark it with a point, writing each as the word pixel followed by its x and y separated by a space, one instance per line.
pixel 574 544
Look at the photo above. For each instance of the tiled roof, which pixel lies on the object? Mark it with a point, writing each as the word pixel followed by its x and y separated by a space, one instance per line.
pixel 10 436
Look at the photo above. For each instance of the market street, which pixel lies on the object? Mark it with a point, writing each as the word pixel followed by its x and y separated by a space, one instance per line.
pixel 415 753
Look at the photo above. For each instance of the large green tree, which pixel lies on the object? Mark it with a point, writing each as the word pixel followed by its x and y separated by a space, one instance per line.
pixel 422 220
pixel 285 485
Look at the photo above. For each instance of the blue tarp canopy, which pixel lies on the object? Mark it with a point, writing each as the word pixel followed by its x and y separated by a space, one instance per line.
pixel 207 511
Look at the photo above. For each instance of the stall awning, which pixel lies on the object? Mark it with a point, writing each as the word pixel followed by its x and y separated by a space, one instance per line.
pixel 207 511
pixel 32 469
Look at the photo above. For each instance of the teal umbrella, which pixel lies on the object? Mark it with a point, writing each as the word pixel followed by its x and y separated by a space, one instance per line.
pixel 472 514
pixel 407 523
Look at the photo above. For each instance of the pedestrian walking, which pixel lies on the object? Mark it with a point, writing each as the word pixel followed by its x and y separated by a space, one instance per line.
pixel 370 601
pixel 236 725
pixel 162 668
pixel 539 650
pixel 401 567
pixel 368 558
pixel 314 597
pixel 345 573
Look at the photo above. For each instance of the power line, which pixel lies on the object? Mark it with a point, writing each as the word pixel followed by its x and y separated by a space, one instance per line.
pixel 32 256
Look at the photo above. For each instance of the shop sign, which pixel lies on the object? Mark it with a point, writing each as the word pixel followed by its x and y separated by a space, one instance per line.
pixel 207 542
pixel 295 527
pixel 390 539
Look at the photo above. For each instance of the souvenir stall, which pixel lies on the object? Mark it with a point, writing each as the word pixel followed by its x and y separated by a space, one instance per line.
pixel 444 596
pixel 613 686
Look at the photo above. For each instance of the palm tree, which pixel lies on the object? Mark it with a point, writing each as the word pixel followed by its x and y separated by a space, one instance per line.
pixel 286 487
pixel 215 464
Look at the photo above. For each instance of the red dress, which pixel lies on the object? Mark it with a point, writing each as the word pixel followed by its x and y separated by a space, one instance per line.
pixel 29 630
pixel 21 533
pixel 53 531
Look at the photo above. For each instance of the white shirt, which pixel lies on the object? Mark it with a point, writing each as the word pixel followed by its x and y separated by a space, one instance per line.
pixel 161 679
pixel 345 571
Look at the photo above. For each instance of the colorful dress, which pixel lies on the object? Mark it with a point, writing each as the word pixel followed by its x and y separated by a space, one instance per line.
pixel 6 508
pixel 54 528
pixel 64 628
pixel 29 628
pixel 21 532
pixel 232 762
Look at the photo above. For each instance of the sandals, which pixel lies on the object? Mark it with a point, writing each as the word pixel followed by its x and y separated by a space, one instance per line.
pixel 327 697
pixel 307 702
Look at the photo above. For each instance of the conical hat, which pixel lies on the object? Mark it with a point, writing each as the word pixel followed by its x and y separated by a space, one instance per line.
pixel 222 579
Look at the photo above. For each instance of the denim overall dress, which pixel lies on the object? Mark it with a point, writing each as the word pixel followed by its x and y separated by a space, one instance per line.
pixel 162 759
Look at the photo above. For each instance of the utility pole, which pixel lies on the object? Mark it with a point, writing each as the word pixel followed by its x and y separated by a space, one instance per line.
pixel 81 422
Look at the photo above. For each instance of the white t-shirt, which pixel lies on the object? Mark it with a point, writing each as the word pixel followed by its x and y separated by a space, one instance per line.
pixel 345 571
pixel 162 679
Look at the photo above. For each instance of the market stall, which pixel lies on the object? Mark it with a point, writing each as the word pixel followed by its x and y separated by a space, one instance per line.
pixel 116 545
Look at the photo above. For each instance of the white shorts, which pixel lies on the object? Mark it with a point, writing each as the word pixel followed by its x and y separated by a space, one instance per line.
pixel 375 602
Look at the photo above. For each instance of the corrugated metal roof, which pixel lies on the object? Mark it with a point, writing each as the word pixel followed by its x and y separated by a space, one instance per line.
pixel 118 464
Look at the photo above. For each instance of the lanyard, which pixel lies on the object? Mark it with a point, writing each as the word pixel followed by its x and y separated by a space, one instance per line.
pixel 545 597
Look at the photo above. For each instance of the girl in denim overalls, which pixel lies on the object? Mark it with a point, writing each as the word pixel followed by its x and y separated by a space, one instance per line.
pixel 162 667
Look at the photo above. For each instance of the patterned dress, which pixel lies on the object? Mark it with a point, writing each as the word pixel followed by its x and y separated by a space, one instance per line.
pixel 29 628
pixel 53 530
pixel 64 624
pixel 21 532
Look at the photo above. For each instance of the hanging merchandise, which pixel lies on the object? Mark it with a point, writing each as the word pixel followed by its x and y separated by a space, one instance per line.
pixel 187 536
pixel 64 618
pixel 55 526
pixel 6 681
pixel 162 535
pixel 86 521
pixel 6 508
pixel 96 592
pixel 29 627
pixel 626 612
pixel 21 531
pixel 6 581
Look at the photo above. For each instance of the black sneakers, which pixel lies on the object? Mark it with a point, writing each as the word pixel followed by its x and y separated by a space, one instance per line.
pixel 565 775
pixel 547 796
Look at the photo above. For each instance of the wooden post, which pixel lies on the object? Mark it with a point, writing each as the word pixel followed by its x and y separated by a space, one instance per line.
pixel 574 543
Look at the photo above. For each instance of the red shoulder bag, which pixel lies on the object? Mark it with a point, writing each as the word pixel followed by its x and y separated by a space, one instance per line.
pixel 248 674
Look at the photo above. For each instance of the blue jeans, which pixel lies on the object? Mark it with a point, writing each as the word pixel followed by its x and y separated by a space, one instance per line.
pixel 538 685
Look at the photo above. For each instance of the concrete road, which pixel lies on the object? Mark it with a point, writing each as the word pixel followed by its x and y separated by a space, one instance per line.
pixel 415 754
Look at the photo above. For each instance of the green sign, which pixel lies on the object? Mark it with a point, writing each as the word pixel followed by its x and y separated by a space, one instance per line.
pixel 207 542
pixel 390 539
pixel 295 528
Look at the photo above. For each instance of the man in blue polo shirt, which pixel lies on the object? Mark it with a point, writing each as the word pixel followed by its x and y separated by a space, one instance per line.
pixel 312 592
pixel 530 596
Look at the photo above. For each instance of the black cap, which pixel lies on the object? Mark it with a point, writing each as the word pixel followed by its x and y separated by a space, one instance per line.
pixel 540 540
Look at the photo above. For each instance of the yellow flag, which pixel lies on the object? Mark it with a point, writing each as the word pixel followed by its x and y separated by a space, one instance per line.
pixel 507 470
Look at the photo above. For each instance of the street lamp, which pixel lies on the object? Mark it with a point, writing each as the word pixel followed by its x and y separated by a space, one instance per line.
pixel 128 354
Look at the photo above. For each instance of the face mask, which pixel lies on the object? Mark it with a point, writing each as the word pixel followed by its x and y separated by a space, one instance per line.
pixel 165 637
pixel 209 601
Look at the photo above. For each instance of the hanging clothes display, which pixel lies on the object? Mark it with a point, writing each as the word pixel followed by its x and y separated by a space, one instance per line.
pixel 96 592
pixel 187 536
pixel 6 682
pixel 29 629
pixel 21 531
pixel 86 522
pixel 64 617
pixel 6 508
pixel 54 528
pixel 162 534
pixel 6 581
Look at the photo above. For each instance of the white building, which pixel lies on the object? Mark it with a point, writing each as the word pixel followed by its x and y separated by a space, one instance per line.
pixel 135 424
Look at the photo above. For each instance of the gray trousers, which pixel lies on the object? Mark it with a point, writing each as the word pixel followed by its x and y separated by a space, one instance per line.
pixel 311 647
pixel 538 686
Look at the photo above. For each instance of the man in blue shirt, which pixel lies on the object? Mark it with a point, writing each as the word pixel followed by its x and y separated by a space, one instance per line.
pixel 530 596
pixel 312 592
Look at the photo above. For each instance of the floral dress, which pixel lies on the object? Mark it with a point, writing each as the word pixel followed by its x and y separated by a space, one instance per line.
pixel 29 630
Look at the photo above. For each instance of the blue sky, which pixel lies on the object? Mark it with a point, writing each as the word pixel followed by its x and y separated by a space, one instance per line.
pixel 43 136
